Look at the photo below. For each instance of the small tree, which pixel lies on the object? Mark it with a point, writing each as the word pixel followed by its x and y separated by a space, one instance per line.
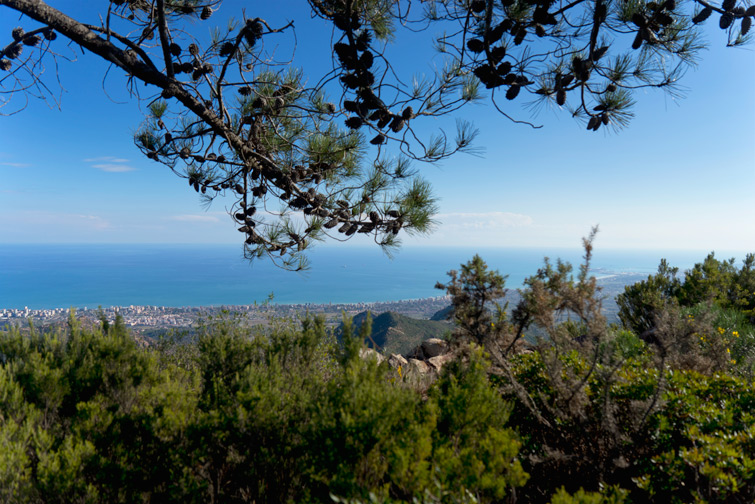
pixel 475 292
pixel 642 302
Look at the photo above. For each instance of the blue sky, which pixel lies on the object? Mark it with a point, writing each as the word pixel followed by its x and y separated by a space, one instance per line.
pixel 681 176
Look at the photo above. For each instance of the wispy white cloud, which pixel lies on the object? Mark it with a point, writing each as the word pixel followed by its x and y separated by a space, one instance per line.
pixel 94 221
pixel 16 165
pixel 109 159
pixel 484 220
pixel 194 218
pixel 110 164
pixel 113 168
pixel 62 220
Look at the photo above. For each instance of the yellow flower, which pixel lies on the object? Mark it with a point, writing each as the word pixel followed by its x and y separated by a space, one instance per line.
pixel 721 330
pixel 736 333
pixel 733 361
pixel 728 351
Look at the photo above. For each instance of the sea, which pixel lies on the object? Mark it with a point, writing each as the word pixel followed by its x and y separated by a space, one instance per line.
pixel 42 276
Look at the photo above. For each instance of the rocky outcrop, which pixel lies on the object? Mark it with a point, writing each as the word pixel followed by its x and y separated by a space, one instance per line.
pixel 439 361
pixel 434 347
pixel 424 361
pixel 396 360
pixel 419 367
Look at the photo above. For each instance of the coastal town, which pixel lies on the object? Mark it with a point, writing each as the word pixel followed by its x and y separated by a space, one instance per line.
pixel 148 319
pixel 166 317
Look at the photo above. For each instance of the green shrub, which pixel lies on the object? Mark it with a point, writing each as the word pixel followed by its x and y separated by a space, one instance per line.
pixel 641 302
pixel 244 415
pixel 472 450
pixel 689 437
pixel 612 495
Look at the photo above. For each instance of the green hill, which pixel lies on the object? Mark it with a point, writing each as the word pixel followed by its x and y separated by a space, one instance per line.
pixel 396 333
pixel 442 315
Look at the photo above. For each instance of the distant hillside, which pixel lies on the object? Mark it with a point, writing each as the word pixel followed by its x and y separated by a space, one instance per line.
pixel 396 333
pixel 442 315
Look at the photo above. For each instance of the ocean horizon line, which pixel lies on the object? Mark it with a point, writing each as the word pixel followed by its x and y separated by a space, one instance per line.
pixel 209 275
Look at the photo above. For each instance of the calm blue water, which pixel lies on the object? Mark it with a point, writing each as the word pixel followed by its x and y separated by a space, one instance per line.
pixel 60 276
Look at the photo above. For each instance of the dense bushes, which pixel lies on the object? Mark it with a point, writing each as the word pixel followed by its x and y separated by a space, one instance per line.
pixel 234 416
pixel 661 410
pixel 694 442
pixel 714 297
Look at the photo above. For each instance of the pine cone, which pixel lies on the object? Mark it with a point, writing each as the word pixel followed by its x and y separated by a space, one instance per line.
pixel 477 6
pixel 363 40
pixel 475 45
pixel 32 41
pixel 366 60
pixel 495 34
pixel 637 43
pixel 342 22
pixel 726 20
pixel 600 52
pixel 504 68
pixel 519 37
pixel 512 92
pixel 227 49
pixel 378 140
pixel 397 124
pixel 346 55
pixel 496 55
pixel 746 24
pixel 702 15
pixel 350 80
pixel 354 122
pixel 561 97
pixel 383 122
